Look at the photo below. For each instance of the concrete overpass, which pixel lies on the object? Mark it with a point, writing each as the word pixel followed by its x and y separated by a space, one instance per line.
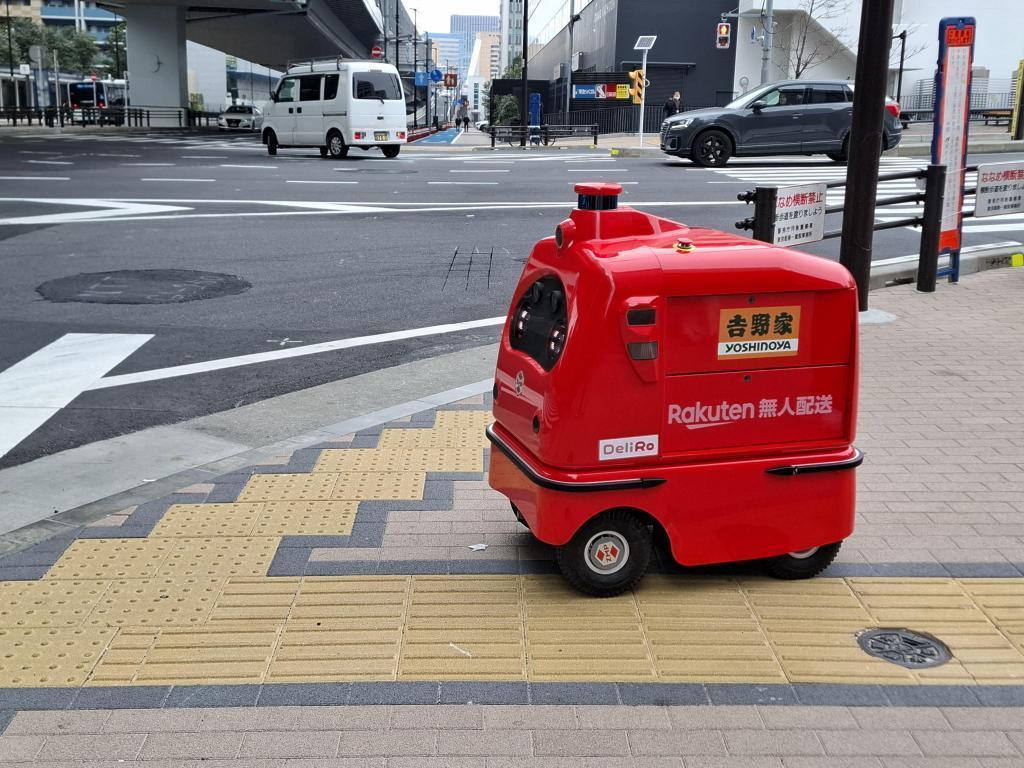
pixel 268 32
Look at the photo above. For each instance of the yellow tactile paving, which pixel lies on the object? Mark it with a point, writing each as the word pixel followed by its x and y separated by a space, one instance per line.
pixel 419 439
pixel 48 603
pixel 401 460
pixel 306 518
pixel 387 486
pixel 111 559
pixel 211 624
pixel 208 520
pixel 50 656
pixel 288 487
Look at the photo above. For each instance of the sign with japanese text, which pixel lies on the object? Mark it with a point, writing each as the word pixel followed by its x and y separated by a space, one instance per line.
pixel 1000 189
pixel 952 110
pixel 622 91
pixel 600 91
pixel 758 332
pixel 799 214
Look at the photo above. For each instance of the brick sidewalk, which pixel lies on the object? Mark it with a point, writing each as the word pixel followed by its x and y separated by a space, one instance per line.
pixel 521 737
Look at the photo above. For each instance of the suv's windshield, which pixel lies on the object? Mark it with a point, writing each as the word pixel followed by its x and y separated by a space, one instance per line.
pixel 749 97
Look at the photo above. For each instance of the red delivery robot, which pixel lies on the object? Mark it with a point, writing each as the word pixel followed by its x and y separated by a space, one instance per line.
pixel 655 378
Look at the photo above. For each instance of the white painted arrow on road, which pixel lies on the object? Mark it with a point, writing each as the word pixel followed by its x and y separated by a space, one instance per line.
pixel 34 389
pixel 107 209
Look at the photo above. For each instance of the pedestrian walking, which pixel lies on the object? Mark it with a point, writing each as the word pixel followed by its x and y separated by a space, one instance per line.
pixel 461 116
pixel 465 123
pixel 673 105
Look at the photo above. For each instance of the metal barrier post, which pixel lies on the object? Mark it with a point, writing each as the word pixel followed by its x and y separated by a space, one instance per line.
pixel 593 131
pixel 931 224
pixel 764 213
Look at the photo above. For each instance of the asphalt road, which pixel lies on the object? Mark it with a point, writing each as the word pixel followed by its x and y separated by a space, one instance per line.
pixel 332 250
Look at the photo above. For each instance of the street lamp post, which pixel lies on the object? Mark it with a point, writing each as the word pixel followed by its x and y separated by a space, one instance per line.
pixel 10 61
pixel 524 101
pixel 903 51
pixel 415 88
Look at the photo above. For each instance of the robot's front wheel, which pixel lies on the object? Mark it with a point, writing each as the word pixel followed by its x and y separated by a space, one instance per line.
pixel 608 555
pixel 803 564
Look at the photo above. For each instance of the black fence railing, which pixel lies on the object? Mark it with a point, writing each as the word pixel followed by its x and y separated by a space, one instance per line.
pixel 616 119
pixel 765 200
pixel 132 117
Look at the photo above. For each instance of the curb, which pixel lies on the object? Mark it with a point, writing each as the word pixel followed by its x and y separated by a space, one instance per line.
pixel 976 258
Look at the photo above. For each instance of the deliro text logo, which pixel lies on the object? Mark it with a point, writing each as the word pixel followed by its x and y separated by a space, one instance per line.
pixel 761 332
pixel 627 447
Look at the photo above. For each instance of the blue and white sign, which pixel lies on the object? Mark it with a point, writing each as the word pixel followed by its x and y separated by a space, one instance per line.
pixel 584 91
pixel 437 75
pixel 421 79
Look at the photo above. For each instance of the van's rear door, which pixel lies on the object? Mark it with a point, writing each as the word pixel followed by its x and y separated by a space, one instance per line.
pixel 378 104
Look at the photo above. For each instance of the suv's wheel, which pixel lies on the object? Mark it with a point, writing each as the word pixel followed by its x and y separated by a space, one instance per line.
pixel 712 148
pixel 608 555
pixel 391 150
pixel 271 143
pixel 842 155
pixel 336 146
pixel 803 564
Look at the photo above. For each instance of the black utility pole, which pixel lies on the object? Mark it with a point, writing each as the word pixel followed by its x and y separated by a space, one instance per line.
pixel 865 142
pixel 398 6
pixel 903 52
pixel 525 99
pixel 10 63
pixel 415 88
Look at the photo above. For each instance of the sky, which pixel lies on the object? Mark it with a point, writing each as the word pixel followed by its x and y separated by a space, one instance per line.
pixel 432 15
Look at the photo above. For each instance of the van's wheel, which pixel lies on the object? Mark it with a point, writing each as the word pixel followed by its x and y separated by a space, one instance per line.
pixel 608 555
pixel 271 143
pixel 712 148
pixel 336 146
pixel 843 154
pixel 323 151
pixel 391 150
pixel 803 564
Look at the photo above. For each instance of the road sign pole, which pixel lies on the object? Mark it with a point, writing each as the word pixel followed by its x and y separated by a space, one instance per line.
pixel 524 101
pixel 643 99
pixel 865 143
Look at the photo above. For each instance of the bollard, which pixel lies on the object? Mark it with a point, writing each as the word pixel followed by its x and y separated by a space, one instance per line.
pixel 931 224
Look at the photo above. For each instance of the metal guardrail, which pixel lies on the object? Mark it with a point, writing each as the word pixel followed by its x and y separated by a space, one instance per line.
pixel 544 134
pixel 132 117
pixel 762 223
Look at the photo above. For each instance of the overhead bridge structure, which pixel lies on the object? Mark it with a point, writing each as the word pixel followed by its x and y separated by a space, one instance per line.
pixel 268 32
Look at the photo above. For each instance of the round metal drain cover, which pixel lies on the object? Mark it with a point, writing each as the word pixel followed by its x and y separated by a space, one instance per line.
pixel 913 650
pixel 143 286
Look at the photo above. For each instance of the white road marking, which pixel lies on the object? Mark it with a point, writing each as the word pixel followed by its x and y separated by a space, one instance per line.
pixel 177 179
pixel 290 352
pixel 463 183
pixel 34 389
pixel 49 162
pixel 119 154
pixel 34 152
pixel 109 209
pixel 35 178
pixel 300 181
pixel 150 165
pixel 261 167
pixel 205 157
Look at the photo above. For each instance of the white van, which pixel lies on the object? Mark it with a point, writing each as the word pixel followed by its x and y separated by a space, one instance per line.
pixel 335 105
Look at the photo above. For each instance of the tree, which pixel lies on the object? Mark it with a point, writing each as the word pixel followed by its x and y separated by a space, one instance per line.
pixel 809 41
pixel 76 50
pixel 506 108
pixel 115 57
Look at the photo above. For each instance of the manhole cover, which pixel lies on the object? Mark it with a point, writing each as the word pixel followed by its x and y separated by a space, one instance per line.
pixel 142 286
pixel 913 650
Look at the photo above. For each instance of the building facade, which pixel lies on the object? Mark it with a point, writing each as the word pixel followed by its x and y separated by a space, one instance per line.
pixel 511 31
pixel 684 57
pixel 488 63
pixel 467 27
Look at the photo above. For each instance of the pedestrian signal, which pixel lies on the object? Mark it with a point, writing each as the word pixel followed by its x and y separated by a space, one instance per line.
pixel 724 35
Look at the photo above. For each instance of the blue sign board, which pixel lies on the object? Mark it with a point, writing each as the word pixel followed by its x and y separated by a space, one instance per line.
pixel 584 91
pixel 421 79
pixel 437 76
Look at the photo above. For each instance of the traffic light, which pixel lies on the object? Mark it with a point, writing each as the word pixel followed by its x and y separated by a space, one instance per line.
pixel 724 34
pixel 636 90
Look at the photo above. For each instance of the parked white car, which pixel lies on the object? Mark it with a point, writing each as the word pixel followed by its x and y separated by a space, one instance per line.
pixel 336 105
pixel 240 117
